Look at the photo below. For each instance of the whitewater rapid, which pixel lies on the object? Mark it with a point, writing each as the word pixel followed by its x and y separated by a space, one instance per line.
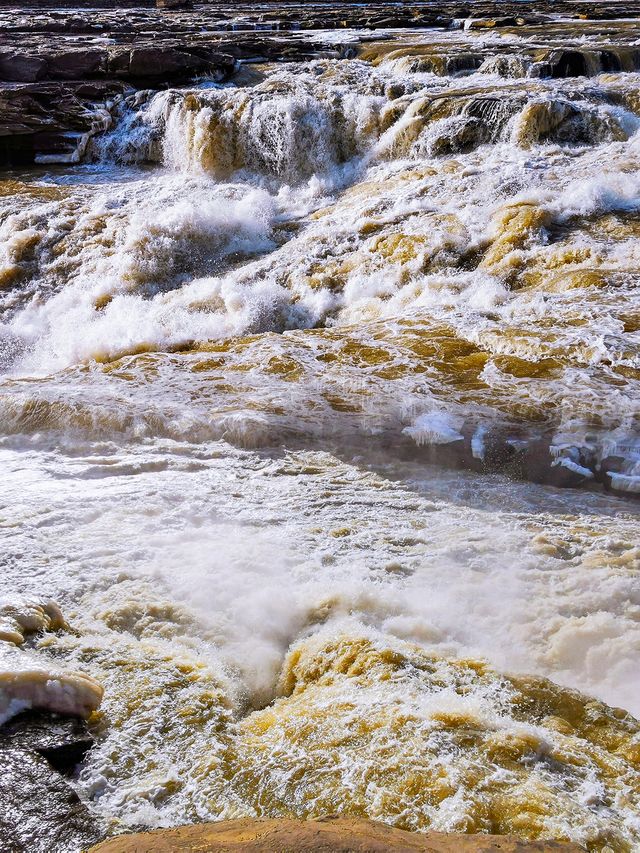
pixel 319 422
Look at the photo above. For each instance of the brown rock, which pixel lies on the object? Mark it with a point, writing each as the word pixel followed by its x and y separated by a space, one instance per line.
pixel 173 4
pixel 340 835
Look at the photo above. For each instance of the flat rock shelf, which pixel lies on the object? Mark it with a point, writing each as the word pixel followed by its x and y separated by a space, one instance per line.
pixel 338 835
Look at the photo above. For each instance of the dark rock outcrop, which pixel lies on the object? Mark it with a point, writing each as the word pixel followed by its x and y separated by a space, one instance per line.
pixel 168 64
pixel 40 809
pixel 51 121
pixel 161 64
pixel 63 741
pixel 21 68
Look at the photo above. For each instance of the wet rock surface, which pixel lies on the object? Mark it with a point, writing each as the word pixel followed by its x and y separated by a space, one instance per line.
pixel 341 835
pixel 62 741
pixel 40 809
pixel 52 120
pixel 160 64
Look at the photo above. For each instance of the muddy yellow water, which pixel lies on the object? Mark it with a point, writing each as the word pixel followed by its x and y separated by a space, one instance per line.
pixel 319 421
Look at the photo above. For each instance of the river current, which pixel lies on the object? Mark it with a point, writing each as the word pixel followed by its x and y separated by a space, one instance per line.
pixel 319 423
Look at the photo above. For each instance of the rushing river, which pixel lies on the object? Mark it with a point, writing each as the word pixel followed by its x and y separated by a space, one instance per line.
pixel 319 421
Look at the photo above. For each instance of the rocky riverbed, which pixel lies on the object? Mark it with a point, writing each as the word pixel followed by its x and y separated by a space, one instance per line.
pixel 62 73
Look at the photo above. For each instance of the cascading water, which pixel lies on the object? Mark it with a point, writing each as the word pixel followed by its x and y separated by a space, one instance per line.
pixel 293 368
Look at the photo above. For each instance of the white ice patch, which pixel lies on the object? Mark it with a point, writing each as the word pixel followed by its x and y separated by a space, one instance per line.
pixel 435 428
pixel 574 467
pixel 26 682
pixel 625 482
pixel 23 685
pixel 478 447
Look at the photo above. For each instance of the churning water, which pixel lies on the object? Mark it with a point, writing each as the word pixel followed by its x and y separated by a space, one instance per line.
pixel 293 370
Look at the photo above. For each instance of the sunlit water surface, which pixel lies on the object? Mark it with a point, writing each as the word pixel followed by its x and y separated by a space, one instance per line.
pixel 293 371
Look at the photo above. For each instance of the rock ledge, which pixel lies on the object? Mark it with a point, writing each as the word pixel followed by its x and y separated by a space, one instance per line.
pixel 339 835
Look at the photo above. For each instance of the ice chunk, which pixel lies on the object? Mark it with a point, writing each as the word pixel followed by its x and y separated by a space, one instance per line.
pixel 434 428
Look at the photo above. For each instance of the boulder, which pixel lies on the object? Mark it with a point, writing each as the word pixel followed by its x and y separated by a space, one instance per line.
pixel 163 62
pixel 63 741
pixel 490 23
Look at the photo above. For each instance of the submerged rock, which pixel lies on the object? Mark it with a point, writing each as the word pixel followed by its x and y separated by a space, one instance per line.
pixel 340 835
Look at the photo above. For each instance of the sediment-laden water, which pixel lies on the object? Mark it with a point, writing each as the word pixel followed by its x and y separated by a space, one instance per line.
pixel 319 414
